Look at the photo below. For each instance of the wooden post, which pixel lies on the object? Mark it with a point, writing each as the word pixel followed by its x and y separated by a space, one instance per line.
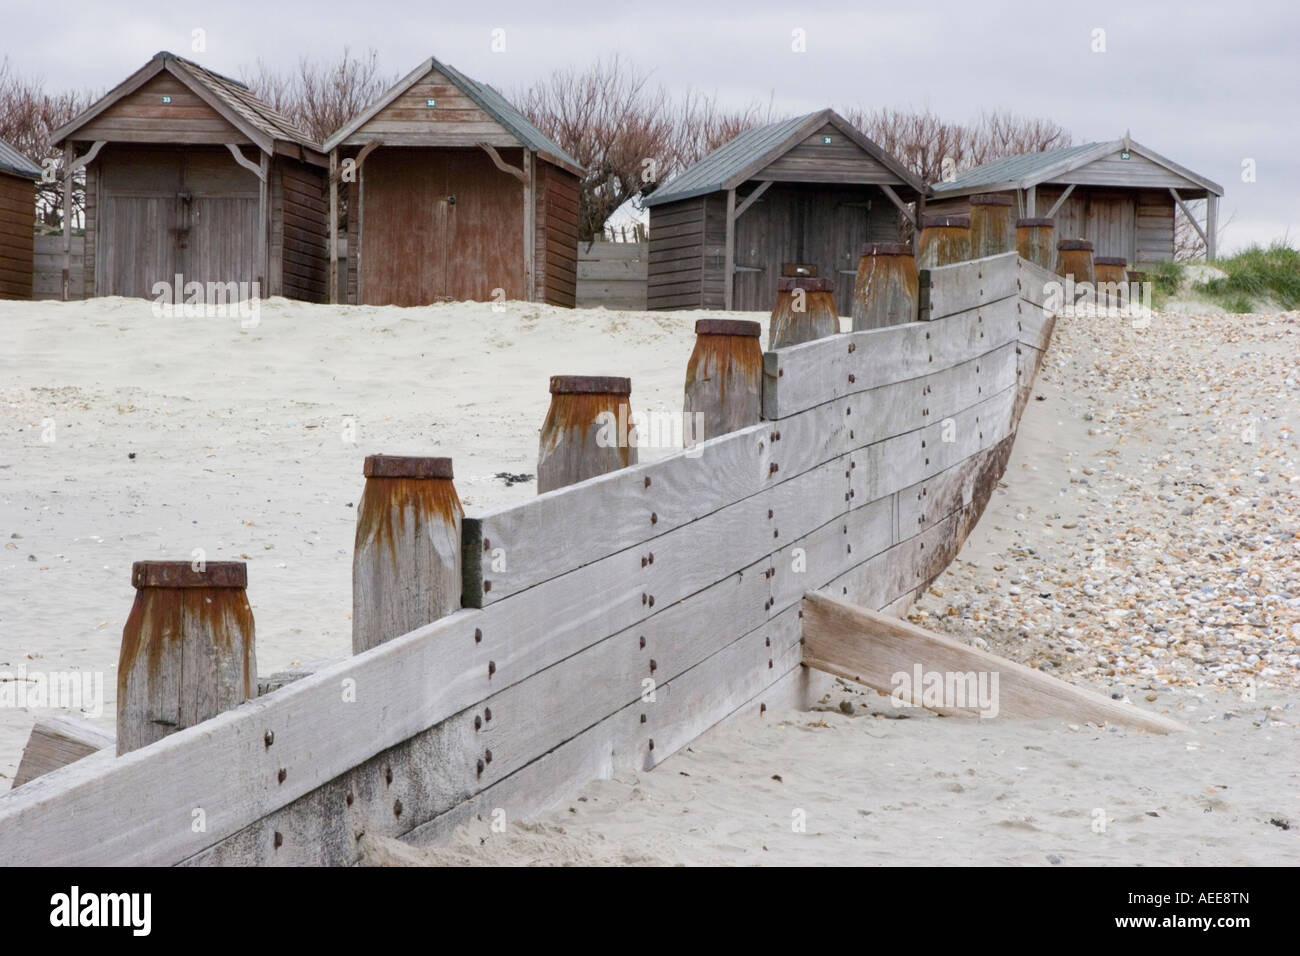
pixel 1031 200
pixel 729 260
pixel 1211 227
pixel 187 649
pixel 944 240
pixel 587 431
pixel 334 226
pixel 1110 273
pixel 530 229
pixel 992 229
pixel 804 310
pixel 264 218
pixel 724 379
pixel 886 288
pixel 1036 241
pixel 1074 258
pixel 67 221
pixel 406 563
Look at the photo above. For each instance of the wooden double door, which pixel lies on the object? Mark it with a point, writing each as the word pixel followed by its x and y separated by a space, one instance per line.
pixel 440 225
pixel 164 212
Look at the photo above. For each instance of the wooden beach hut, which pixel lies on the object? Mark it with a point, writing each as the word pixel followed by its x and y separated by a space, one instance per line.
pixel 1121 195
pixel 18 177
pixel 809 190
pixel 188 173
pixel 452 194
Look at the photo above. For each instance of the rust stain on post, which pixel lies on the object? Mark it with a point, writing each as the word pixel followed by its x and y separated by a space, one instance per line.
pixel 944 241
pixel 816 320
pixel 588 430
pixel 1074 258
pixel 187 648
pixel 1036 241
pixel 406 565
pixel 886 289
pixel 992 229
pixel 724 379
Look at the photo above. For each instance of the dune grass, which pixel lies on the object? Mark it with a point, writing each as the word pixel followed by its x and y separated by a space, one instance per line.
pixel 1257 274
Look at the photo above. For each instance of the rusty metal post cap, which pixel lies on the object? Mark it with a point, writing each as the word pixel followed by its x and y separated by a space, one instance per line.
pixel 403 466
pixel 1075 245
pixel 590 385
pixel 887 249
pixel 741 327
pixel 990 199
pixel 181 574
pixel 1036 223
pixel 807 283
pixel 1109 261
pixel 945 222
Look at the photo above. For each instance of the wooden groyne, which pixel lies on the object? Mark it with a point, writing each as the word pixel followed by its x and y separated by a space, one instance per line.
pixel 606 623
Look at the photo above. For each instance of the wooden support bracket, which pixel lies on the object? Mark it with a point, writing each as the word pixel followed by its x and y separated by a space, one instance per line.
pixel 502 165
pixel 252 167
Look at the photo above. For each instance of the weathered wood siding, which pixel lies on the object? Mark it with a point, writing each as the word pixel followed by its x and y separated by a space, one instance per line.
pixel 556 241
pixel 816 161
pixel 419 247
pixel 677 255
pixel 47 280
pixel 143 117
pixel 17 234
pixel 825 226
pixel 300 226
pixel 1155 225
pixel 1136 171
pixel 459 120
pixel 612 274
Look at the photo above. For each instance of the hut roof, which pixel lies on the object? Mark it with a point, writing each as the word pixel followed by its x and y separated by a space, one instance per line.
pixel 12 161
pixel 486 97
pixel 1030 169
pixel 259 121
pixel 741 158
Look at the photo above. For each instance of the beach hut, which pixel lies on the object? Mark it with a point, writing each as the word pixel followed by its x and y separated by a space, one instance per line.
pixel 1120 195
pixel 452 194
pixel 809 190
pixel 18 177
pixel 189 174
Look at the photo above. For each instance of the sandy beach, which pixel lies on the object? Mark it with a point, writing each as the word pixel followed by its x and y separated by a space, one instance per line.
pixel 1138 546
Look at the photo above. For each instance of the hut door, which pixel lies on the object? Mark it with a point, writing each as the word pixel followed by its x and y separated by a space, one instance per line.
pixel 404 212
pixel 483 228
pixel 219 209
pixel 139 221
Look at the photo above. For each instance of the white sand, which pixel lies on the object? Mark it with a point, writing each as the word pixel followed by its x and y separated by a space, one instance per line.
pixel 238 445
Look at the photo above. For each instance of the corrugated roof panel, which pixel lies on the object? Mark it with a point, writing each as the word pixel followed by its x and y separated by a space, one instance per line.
pixel 715 169
pixel 505 113
pixel 12 161
pixel 1011 168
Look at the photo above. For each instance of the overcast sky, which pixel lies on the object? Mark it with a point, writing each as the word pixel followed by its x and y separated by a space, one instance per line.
pixel 1206 83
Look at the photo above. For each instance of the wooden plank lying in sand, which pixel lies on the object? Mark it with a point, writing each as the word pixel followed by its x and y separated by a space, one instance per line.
pixel 950 289
pixel 518 547
pixel 802 376
pixel 58 741
pixel 861 645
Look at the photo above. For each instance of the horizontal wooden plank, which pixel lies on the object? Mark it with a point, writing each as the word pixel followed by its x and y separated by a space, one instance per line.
pixel 956 288
pixel 862 645
pixel 798 377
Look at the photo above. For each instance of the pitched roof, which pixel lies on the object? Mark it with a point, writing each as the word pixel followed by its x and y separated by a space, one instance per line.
pixel 486 97
pixel 1029 169
pixel 741 157
pixel 12 161
pixel 261 122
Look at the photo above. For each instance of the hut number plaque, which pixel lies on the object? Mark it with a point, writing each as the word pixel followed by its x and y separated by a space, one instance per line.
pixel 166 99
pixel 1124 154
pixel 430 103
pixel 826 140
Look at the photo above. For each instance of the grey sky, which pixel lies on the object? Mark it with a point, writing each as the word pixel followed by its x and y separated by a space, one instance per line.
pixel 1207 84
